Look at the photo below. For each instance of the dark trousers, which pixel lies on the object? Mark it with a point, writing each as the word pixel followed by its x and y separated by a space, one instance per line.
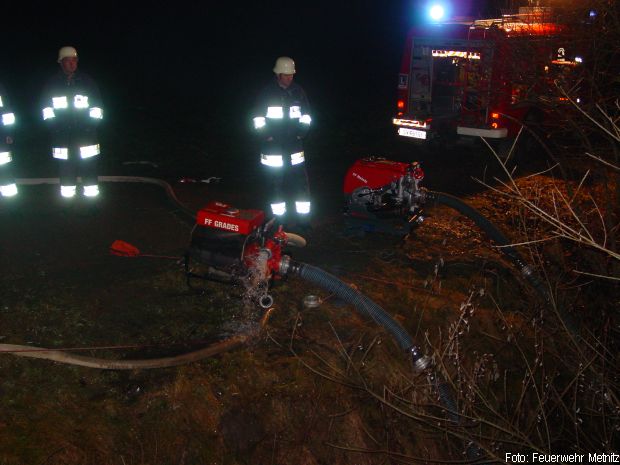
pixel 6 174
pixel 74 166
pixel 288 184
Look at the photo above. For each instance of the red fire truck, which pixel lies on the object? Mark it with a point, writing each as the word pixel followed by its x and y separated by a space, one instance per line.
pixel 481 78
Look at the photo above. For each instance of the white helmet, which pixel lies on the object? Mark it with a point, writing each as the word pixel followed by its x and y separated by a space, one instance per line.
pixel 66 52
pixel 284 65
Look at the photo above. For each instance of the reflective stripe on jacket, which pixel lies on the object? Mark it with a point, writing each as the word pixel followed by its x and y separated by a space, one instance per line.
pixel 281 118
pixel 72 107
pixel 7 120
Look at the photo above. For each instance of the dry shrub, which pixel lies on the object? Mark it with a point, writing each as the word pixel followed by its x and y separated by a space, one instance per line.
pixel 543 376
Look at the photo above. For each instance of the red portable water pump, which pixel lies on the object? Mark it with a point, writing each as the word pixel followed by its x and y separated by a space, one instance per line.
pixel 238 246
pixel 384 195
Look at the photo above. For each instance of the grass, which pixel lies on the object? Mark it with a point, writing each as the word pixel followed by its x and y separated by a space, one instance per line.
pixel 318 386
pixel 325 385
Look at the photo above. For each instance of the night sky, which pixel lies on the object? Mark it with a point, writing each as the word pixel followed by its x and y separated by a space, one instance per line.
pixel 199 57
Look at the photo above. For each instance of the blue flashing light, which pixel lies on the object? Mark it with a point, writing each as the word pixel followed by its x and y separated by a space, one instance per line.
pixel 437 12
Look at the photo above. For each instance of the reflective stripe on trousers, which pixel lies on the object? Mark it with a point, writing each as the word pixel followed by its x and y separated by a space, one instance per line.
pixel 5 158
pixel 68 191
pixel 91 191
pixel 303 208
pixel 8 190
pixel 271 160
pixel 71 191
pixel 278 209
pixel 278 160
pixel 86 151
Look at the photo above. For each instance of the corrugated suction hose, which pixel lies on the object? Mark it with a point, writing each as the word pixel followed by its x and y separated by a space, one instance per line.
pixel 495 234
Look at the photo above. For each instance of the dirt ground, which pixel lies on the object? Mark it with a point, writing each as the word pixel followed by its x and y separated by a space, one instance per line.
pixel 313 387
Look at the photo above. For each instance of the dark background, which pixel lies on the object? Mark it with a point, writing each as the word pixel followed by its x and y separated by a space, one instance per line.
pixel 180 78
pixel 212 57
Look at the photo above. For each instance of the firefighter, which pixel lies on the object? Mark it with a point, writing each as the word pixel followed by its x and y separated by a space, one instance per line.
pixel 8 188
pixel 282 120
pixel 72 109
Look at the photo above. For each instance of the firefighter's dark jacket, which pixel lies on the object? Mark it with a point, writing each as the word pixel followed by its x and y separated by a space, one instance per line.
pixel 6 130
pixel 73 124
pixel 282 134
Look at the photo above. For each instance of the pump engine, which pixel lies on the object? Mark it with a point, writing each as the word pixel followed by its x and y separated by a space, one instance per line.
pixel 239 247
pixel 384 195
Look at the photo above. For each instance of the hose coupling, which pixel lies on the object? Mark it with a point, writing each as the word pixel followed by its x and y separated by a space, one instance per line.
pixel 422 196
pixel 265 301
pixel 416 219
pixel 420 362
pixel 288 266
pixel 527 271
pixel 285 265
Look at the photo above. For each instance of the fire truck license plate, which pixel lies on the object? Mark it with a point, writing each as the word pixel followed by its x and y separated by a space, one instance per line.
pixel 412 133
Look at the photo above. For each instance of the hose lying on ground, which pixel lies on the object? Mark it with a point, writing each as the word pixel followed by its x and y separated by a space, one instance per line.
pixel 307 272
pixel 504 245
pixel 495 234
pixel 129 179
pixel 366 306
pixel 69 358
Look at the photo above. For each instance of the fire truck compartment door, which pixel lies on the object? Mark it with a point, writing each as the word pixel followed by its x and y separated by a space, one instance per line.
pixel 421 73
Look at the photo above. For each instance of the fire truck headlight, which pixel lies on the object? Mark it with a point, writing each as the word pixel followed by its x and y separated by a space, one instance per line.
pixel 437 12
